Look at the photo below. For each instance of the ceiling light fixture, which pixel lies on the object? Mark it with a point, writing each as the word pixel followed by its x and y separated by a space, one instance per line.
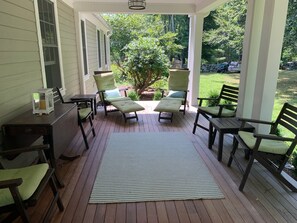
pixel 136 4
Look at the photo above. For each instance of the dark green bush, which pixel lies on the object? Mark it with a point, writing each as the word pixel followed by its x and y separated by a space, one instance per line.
pixel 294 161
pixel 212 94
pixel 133 95
pixel 157 95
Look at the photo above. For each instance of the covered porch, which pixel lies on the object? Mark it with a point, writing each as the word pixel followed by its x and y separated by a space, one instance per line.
pixel 263 39
pixel 263 200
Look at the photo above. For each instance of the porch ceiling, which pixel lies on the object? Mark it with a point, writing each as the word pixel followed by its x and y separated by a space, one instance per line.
pixel 152 6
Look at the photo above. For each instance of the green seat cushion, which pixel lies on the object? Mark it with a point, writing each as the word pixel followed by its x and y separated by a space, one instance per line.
pixel 127 106
pixel 215 111
pixel 266 145
pixel 111 100
pixel 31 175
pixel 168 105
pixel 83 112
pixel 176 94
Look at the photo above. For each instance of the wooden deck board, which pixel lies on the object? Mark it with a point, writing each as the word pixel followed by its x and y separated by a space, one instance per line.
pixel 263 200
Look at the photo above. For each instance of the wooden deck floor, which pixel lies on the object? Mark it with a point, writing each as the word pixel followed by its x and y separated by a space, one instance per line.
pixel 263 199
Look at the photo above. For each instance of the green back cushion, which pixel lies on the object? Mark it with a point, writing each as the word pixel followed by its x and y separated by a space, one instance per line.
pixel 31 175
pixel 178 80
pixel 105 81
pixel 83 112
pixel 269 146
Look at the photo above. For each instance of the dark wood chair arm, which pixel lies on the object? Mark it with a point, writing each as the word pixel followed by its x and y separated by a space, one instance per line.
pixel 207 98
pixel 69 102
pixel 255 121
pixel 24 149
pixel 227 105
pixel 202 99
pixel 11 183
pixel 273 137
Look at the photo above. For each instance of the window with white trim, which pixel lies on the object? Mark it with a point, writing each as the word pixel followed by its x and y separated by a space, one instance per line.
pixel 84 46
pixel 50 46
pixel 99 48
pixel 105 49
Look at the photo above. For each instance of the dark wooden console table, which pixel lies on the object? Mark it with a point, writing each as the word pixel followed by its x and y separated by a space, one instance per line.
pixel 223 126
pixel 57 128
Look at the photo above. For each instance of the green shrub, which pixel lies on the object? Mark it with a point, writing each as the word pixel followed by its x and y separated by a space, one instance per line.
pixel 212 94
pixel 294 161
pixel 145 62
pixel 157 95
pixel 133 95
pixel 160 84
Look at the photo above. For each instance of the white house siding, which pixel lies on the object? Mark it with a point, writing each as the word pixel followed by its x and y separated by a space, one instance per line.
pixel 20 65
pixel 69 48
pixel 20 70
pixel 92 56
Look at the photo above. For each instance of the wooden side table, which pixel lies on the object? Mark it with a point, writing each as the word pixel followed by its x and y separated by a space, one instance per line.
pixel 223 126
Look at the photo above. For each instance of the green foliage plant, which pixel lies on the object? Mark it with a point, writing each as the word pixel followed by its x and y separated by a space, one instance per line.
pixel 294 161
pixel 145 62
pixel 133 95
pixel 157 95
pixel 212 94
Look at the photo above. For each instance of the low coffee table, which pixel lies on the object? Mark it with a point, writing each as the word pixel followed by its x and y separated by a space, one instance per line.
pixel 223 126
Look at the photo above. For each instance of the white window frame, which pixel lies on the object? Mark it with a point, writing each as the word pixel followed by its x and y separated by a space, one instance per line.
pixel 99 47
pixel 105 49
pixel 85 73
pixel 41 46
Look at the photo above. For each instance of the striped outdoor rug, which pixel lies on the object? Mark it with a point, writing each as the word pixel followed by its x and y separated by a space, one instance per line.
pixel 151 166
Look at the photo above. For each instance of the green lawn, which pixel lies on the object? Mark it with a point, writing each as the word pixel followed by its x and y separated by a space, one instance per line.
pixel 286 87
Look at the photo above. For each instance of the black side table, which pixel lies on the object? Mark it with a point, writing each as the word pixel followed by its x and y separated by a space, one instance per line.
pixel 223 126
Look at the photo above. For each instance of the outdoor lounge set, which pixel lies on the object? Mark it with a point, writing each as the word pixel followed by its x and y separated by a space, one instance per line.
pixel 110 95
pixel 22 187
pixel 271 150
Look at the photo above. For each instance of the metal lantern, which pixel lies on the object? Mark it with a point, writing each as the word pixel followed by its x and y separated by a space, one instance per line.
pixel 136 4
pixel 43 101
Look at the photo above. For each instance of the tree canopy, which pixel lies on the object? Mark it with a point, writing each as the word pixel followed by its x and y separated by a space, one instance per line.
pixel 224 32
pixel 145 62
pixel 141 46
pixel 222 38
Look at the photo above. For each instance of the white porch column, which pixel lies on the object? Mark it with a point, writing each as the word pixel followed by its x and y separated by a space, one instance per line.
pixel 263 40
pixel 194 62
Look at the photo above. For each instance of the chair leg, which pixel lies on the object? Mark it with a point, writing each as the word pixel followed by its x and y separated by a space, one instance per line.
pixel 232 154
pixel 56 192
pixel 214 135
pixel 84 134
pixel 246 173
pixel 56 199
pixel 105 108
pixel 195 123
pixel 92 126
pixel 19 204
